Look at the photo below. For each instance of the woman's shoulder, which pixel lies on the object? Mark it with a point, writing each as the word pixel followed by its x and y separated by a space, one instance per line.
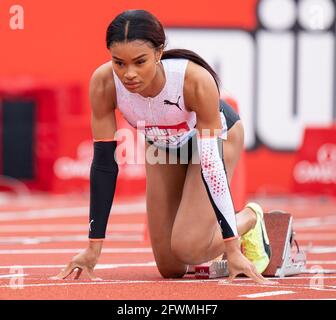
pixel 102 82
pixel 197 80
pixel 103 76
pixel 197 74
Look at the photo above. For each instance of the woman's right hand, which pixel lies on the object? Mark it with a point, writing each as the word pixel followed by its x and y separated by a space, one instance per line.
pixel 84 261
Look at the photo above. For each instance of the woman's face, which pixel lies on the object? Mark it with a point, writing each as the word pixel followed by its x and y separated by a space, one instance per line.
pixel 134 63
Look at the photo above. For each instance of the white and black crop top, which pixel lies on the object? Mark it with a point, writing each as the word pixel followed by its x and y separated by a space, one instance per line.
pixel 163 119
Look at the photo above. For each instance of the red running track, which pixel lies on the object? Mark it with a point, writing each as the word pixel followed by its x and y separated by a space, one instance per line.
pixel 39 234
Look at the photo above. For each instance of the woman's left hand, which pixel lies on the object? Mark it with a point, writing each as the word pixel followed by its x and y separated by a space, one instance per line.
pixel 239 264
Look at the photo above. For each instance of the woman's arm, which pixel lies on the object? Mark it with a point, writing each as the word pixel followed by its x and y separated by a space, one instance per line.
pixel 103 173
pixel 201 95
pixel 205 102
pixel 104 168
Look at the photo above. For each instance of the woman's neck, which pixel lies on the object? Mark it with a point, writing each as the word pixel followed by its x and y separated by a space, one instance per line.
pixel 157 84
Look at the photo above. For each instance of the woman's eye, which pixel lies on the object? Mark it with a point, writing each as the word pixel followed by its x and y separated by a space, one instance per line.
pixel 118 63
pixel 141 61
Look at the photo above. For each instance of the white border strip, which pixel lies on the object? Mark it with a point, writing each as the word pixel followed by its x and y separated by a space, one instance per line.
pixel 266 294
pixel 37 214
pixel 98 266
pixel 75 250
pixel 16 275
pixel 134 237
pixel 15 228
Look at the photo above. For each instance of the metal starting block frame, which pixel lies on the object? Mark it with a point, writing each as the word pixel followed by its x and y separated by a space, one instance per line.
pixel 211 270
pixel 286 257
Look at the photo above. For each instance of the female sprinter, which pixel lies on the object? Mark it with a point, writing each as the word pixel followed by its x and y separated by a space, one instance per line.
pixel 175 93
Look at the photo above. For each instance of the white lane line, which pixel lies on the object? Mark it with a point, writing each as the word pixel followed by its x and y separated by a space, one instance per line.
pixel 321 262
pixel 37 214
pixel 279 286
pixel 290 278
pixel 316 236
pixel 67 284
pixel 318 299
pixel 62 251
pixel 68 227
pixel 71 238
pixel 319 249
pixel 16 275
pixel 317 276
pixel 98 266
pixel 318 270
pixel 314 222
pixel 266 294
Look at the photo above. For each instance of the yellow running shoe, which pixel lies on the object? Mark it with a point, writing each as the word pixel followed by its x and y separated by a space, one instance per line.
pixel 255 243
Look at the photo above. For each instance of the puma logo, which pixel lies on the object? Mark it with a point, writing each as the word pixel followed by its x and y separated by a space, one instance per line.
pixel 173 103
pixel 90 224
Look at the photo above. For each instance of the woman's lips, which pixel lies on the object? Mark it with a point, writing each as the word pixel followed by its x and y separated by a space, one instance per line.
pixel 132 85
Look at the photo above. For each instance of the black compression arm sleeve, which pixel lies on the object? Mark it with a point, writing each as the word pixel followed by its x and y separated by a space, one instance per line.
pixel 103 178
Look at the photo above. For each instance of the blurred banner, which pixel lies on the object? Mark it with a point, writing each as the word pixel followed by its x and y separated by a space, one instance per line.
pixel 315 168
pixel 275 57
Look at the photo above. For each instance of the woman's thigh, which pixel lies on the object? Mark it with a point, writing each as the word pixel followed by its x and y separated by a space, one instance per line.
pixel 196 234
pixel 163 196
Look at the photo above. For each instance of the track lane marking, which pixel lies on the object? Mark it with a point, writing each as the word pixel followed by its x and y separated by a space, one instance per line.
pixel 131 237
pixel 281 286
pixel 16 228
pixel 73 250
pixel 266 294
pixel 37 214
pixel 97 267
pixel 13 275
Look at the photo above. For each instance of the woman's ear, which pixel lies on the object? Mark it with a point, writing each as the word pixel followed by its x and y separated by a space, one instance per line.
pixel 159 52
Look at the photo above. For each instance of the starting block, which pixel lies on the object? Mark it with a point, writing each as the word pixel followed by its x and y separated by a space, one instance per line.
pixel 286 257
pixel 211 270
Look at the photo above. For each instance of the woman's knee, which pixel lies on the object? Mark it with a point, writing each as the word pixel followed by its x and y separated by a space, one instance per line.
pixel 169 271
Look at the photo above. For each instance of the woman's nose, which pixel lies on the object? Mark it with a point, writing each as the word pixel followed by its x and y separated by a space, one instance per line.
pixel 130 73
